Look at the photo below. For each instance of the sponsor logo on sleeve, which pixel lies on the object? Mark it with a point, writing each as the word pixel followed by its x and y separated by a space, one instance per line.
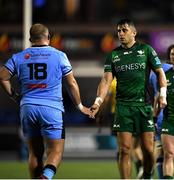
pixel 157 61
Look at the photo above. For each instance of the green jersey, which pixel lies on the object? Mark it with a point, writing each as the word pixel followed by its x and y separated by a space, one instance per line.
pixel 170 93
pixel 132 67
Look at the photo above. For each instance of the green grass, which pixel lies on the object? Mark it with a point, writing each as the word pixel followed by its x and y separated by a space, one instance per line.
pixel 13 170
pixel 88 170
pixel 68 170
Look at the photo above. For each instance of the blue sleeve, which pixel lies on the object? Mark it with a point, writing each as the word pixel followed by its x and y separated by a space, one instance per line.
pixel 166 66
pixel 153 77
pixel 65 64
pixel 10 65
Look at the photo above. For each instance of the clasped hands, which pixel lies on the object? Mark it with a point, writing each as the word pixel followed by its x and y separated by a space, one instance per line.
pixel 91 112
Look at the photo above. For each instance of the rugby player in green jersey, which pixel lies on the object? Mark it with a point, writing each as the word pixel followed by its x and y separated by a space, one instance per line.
pixel 167 132
pixel 131 64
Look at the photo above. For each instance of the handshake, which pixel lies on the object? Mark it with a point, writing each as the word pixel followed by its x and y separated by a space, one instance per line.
pixel 92 111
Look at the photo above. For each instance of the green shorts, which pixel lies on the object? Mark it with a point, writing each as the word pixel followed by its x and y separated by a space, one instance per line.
pixel 134 119
pixel 168 126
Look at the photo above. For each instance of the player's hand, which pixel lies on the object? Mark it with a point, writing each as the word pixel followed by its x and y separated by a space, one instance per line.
pixel 86 111
pixel 94 109
pixel 162 102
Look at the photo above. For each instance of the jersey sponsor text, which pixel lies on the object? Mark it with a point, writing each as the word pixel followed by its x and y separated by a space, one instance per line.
pixel 130 67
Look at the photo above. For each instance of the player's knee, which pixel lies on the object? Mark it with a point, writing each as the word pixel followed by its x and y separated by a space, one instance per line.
pixel 125 150
pixel 169 154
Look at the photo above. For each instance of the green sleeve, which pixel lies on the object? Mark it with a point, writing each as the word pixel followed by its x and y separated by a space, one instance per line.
pixel 108 63
pixel 153 58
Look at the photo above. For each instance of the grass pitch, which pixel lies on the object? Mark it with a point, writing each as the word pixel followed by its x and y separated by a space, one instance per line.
pixel 69 169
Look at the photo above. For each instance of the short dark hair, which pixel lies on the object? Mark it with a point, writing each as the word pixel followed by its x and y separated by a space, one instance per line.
pixel 38 31
pixel 126 21
pixel 169 50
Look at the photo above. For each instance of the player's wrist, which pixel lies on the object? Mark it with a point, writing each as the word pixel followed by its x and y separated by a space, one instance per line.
pixel 163 91
pixel 79 106
pixel 98 101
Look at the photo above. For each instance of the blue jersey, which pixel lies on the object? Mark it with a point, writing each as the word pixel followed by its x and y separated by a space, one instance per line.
pixel 153 78
pixel 153 81
pixel 40 71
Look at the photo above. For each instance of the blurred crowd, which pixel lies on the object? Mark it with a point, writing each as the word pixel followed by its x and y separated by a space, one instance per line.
pixel 65 11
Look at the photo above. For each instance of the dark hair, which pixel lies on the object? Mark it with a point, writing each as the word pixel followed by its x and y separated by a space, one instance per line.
pixel 38 31
pixel 169 50
pixel 126 21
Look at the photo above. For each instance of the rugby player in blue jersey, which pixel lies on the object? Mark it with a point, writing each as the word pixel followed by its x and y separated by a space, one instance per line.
pixel 40 70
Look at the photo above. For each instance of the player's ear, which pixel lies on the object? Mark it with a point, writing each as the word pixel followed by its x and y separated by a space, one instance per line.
pixel 49 36
pixel 135 33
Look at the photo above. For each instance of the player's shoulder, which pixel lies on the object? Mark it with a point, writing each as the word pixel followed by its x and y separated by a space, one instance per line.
pixel 143 45
pixel 147 48
pixel 54 50
pixel 27 53
pixel 57 51
pixel 114 54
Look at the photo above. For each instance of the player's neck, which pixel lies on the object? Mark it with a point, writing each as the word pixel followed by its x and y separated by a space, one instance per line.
pixel 38 45
pixel 128 45
pixel 41 42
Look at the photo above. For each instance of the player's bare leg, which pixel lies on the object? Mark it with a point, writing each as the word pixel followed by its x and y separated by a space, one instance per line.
pixel 125 142
pixel 168 148
pixel 55 149
pixel 147 144
pixel 36 151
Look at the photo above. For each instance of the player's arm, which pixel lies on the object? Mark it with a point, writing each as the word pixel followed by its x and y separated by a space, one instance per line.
pixel 156 109
pixel 6 85
pixel 5 80
pixel 162 87
pixel 4 73
pixel 73 90
pixel 102 92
